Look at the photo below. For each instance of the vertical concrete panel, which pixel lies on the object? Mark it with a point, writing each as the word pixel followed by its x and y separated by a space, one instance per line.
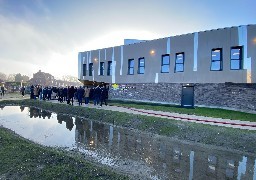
pixel 87 61
pixel 168 45
pixel 99 64
pixel 156 78
pixel 80 65
pixel 122 59
pixel 242 36
pixel 195 50
pixel 251 47
pixel 113 66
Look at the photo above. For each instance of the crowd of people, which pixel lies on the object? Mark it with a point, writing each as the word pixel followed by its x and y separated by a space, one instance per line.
pixel 98 94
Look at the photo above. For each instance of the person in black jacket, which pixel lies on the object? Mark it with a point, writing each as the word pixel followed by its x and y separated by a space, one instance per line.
pixel 96 94
pixel 80 95
pixel 104 96
pixel 71 92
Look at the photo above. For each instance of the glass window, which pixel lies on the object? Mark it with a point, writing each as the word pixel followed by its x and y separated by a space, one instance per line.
pixel 101 68
pixel 179 62
pixel 165 64
pixel 131 66
pixel 84 69
pixel 236 58
pixel 141 66
pixel 216 63
pixel 109 72
pixel 90 69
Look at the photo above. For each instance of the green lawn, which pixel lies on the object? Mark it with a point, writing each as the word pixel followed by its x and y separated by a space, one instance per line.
pixel 201 111
pixel 22 159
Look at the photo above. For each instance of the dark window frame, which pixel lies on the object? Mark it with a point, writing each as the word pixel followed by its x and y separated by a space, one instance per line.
pixel 90 69
pixel 109 70
pixel 141 58
pixel 176 63
pixel 129 66
pixel 240 59
pixel 102 68
pixel 162 64
pixel 84 69
pixel 214 60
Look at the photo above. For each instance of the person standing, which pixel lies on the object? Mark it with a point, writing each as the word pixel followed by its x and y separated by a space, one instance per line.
pixel 22 90
pixel 2 90
pixel 87 95
pixel 71 93
pixel 104 96
pixel 80 95
pixel 96 94
pixel 32 92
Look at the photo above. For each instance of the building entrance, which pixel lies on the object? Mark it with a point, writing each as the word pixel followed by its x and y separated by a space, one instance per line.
pixel 187 96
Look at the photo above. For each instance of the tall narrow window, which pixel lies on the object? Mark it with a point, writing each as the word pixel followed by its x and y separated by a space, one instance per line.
pixel 216 63
pixel 84 69
pixel 141 65
pixel 131 66
pixel 109 72
pixel 101 68
pixel 165 63
pixel 179 62
pixel 90 69
pixel 236 58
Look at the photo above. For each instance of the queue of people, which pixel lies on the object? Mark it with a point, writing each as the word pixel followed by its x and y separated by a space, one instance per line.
pixel 97 94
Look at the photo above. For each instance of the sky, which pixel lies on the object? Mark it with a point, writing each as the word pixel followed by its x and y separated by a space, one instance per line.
pixel 48 34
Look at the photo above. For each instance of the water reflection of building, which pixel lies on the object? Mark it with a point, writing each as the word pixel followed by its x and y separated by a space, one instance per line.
pixel 67 119
pixel 2 107
pixel 22 108
pixel 170 158
pixel 35 112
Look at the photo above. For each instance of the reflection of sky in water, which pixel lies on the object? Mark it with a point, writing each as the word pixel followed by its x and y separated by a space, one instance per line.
pixel 160 157
pixel 45 131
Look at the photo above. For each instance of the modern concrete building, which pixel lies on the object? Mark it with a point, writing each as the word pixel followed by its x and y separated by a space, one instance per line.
pixel 213 68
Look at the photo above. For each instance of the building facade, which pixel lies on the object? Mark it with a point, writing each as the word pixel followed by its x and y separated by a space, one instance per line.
pixel 219 65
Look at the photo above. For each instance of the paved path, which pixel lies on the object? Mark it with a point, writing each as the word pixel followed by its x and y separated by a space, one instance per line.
pixel 174 116
pixel 180 117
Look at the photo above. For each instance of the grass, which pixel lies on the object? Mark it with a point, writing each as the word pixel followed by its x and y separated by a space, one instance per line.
pixel 200 111
pixel 22 159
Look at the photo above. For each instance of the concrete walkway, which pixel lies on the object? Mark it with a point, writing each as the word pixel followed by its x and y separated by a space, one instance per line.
pixel 174 116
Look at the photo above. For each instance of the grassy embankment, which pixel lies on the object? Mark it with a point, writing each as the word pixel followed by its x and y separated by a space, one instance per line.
pixel 22 159
pixel 200 111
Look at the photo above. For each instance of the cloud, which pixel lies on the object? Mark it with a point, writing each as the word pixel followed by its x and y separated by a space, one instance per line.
pixel 22 42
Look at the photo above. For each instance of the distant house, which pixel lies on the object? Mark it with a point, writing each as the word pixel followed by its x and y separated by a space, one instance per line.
pixel 46 79
pixel 214 68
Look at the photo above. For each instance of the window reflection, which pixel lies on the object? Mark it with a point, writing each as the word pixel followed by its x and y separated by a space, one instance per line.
pixel 165 64
pixel 131 66
pixel 236 58
pixel 102 68
pixel 109 72
pixel 141 68
pixel 216 63
pixel 90 69
pixel 179 62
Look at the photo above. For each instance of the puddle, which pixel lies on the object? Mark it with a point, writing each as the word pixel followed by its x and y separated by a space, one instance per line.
pixel 143 155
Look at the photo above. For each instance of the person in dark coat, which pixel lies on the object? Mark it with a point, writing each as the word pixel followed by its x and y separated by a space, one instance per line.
pixel 71 92
pixel 104 96
pixel 49 93
pixel 96 94
pixel 65 93
pixel 80 95
pixel 22 90
pixel 32 92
